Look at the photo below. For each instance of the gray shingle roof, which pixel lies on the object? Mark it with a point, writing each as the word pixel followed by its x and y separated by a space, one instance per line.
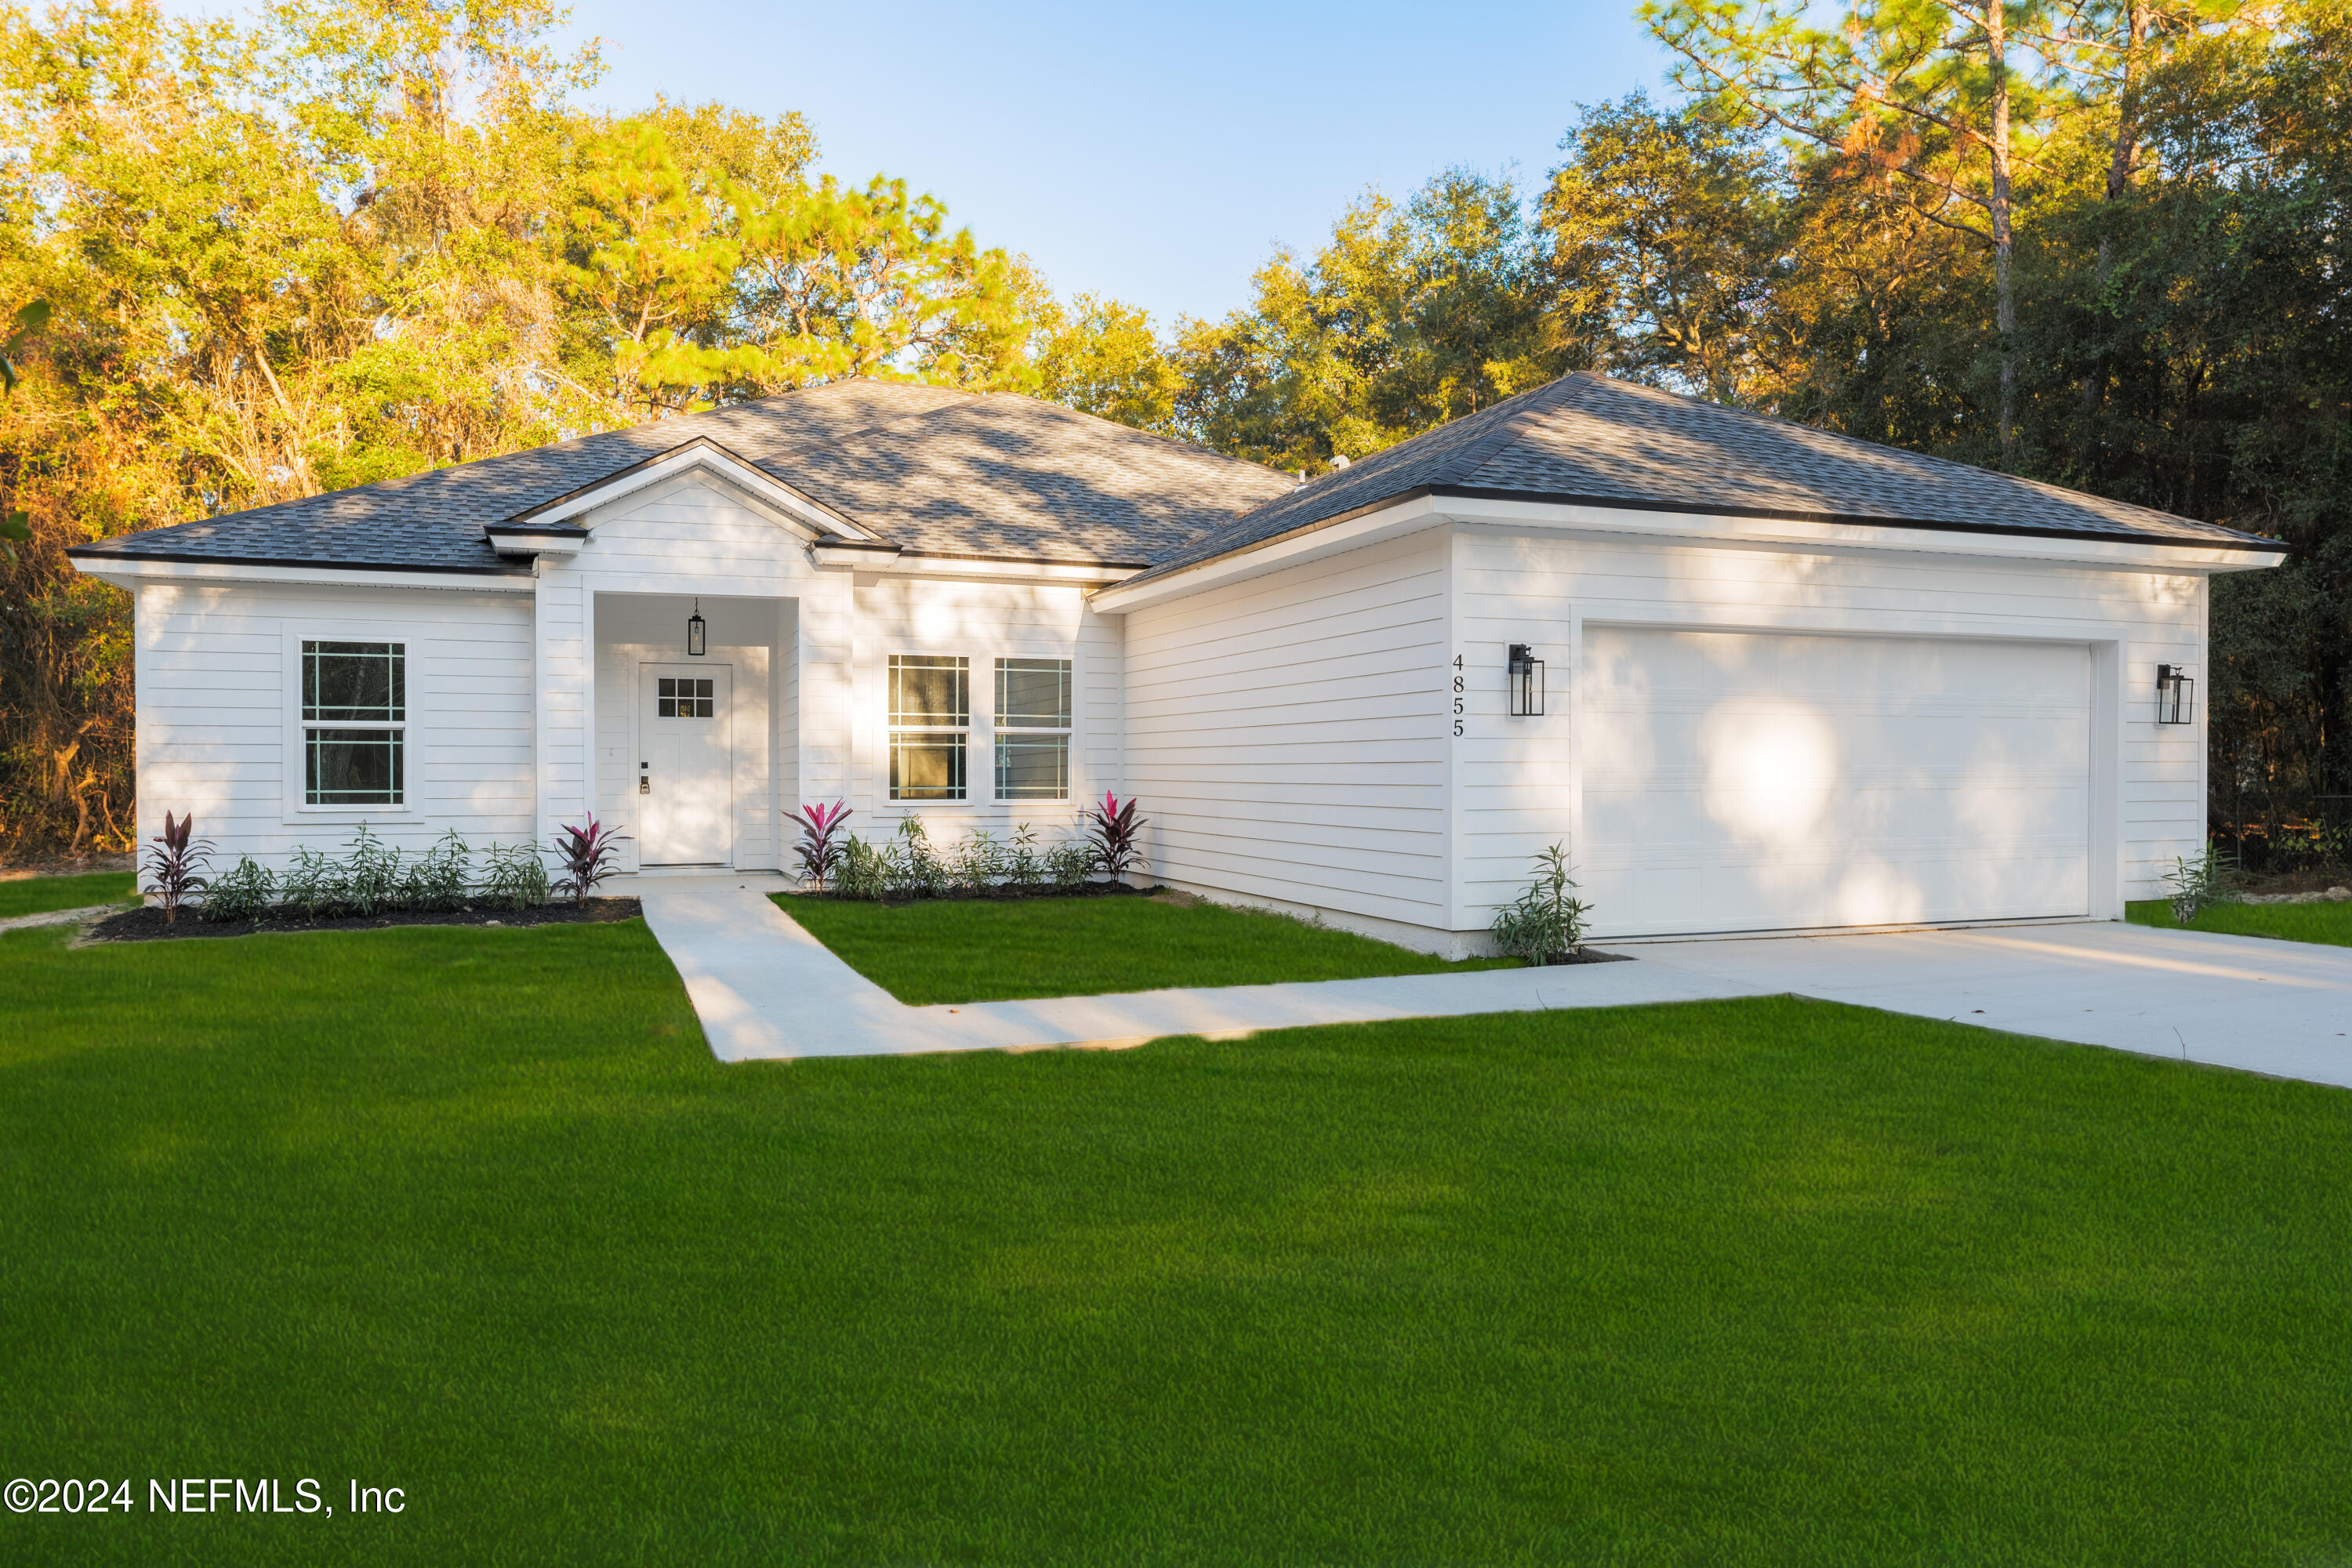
pixel 1588 439
pixel 944 472
pixel 929 468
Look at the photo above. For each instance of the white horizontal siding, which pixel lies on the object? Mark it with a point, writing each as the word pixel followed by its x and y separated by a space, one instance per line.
pixel 215 700
pixel 1285 736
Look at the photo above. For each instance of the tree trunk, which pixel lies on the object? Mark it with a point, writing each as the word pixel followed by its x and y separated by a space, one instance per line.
pixel 2120 169
pixel 2003 238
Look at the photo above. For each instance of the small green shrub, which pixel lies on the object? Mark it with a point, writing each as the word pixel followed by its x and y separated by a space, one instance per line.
pixel 312 887
pixel 980 864
pixel 1070 865
pixel 910 866
pixel 2195 884
pixel 1024 872
pixel 860 873
pixel 244 892
pixel 436 882
pixel 1543 924
pixel 370 875
pixel 517 878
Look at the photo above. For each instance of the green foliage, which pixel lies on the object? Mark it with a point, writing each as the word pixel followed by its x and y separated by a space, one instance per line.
pixel 371 875
pixel 313 887
pixel 1543 925
pixel 243 893
pixel 861 875
pixel 1069 865
pixel 517 877
pixel 436 882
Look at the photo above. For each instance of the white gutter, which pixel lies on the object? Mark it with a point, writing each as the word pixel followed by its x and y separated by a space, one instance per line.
pixel 131 571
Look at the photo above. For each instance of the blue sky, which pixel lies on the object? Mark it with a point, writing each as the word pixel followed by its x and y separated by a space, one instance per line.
pixel 1156 153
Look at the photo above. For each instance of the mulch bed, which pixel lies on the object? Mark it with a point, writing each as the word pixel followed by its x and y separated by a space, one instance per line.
pixel 998 896
pixel 149 925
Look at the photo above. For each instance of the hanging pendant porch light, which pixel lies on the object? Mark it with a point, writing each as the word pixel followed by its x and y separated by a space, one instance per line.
pixel 694 631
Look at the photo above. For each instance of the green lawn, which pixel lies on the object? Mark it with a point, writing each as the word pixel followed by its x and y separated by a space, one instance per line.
pixel 956 950
pixel 2295 923
pixel 40 895
pixel 473 1213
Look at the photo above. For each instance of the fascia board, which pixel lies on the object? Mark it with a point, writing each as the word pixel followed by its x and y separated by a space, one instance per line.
pixel 891 561
pixel 704 454
pixel 1695 529
pixel 1407 515
pixel 131 573
pixel 1849 538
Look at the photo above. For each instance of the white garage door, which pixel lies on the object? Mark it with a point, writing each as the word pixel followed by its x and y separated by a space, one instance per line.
pixel 1737 782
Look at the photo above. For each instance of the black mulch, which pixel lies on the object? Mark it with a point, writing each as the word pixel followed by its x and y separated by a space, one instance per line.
pixel 149 925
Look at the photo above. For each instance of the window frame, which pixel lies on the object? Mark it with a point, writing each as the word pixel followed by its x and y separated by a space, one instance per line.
pixel 892 730
pixel 1000 732
pixel 295 752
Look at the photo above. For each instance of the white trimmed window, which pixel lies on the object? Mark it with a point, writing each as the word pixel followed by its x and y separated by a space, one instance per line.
pixel 355 723
pixel 930 720
pixel 1032 728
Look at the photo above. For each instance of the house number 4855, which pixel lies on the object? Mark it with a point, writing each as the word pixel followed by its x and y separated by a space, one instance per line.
pixel 1457 694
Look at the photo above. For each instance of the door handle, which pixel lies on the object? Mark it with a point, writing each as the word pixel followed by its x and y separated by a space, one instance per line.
pixel 645 780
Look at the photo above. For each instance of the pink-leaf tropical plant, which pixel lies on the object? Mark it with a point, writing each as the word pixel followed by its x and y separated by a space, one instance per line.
pixel 587 855
pixel 821 844
pixel 1112 827
pixel 174 860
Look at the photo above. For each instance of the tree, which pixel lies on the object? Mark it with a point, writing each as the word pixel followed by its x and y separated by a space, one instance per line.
pixel 1666 227
pixel 1925 89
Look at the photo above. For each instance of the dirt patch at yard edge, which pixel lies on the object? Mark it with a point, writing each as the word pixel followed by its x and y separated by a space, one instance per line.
pixel 149 925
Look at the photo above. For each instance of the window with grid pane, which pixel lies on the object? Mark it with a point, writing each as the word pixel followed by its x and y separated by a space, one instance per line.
pixel 1032 728
pixel 930 714
pixel 355 723
pixel 684 697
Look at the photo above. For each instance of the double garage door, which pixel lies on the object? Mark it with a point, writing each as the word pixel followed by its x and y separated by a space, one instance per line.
pixel 1741 781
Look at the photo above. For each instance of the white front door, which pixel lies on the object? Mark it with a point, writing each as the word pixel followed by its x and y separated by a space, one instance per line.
pixel 1745 782
pixel 685 797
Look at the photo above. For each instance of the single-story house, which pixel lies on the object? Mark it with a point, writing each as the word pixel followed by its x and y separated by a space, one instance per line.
pixel 1757 676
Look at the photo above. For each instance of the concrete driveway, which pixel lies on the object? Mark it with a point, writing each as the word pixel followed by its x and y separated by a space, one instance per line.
pixel 2278 1007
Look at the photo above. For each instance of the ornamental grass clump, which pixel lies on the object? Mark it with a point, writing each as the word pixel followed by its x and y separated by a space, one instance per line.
pixel 1543 925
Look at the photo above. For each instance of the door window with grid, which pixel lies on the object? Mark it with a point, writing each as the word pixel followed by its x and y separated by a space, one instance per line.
pixel 1032 728
pixel 930 714
pixel 683 698
pixel 355 723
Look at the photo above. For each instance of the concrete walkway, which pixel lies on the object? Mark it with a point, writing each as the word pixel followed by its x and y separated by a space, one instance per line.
pixel 765 988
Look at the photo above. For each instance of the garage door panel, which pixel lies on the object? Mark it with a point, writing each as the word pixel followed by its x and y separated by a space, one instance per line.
pixel 1738 782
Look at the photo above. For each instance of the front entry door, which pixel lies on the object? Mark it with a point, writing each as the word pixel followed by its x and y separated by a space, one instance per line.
pixel 686 798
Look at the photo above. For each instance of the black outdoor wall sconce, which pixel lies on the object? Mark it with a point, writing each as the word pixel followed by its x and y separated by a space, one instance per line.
pixel 2176 695
pixel 1527 682
pixel 693 632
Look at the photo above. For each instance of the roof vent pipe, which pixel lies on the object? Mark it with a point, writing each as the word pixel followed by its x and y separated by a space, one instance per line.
pixel 1340 460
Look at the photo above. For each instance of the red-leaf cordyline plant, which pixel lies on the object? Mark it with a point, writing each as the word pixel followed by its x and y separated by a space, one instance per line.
pixel 587 856
pixel 820 847
pixel 1112 827
pixel 174 861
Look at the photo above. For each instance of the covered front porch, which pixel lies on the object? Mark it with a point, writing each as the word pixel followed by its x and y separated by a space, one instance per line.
pixel 695 729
